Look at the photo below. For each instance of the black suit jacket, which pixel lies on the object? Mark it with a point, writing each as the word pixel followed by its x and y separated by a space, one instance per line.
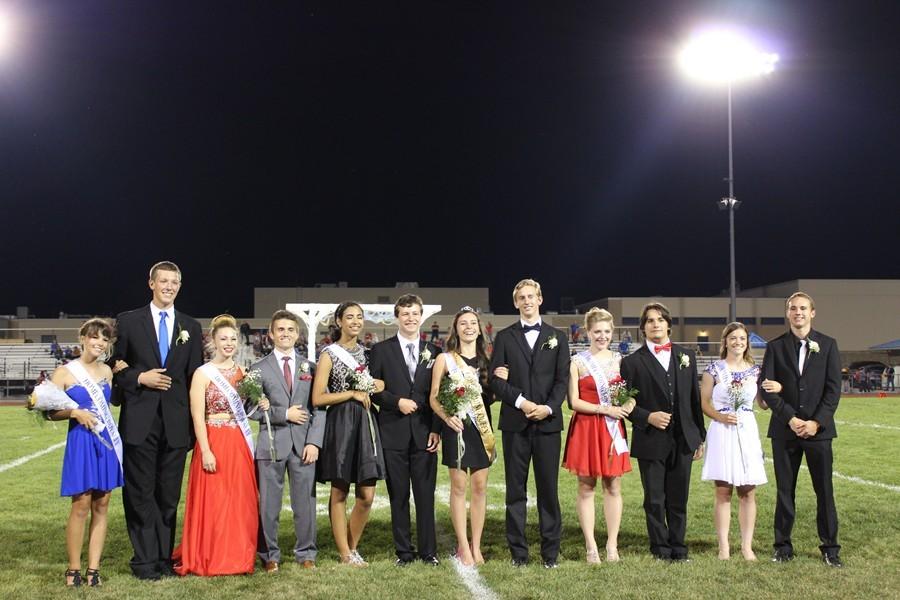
pixel 136 344
pixel 386 362
pixel 811 396
pixel 642 371
pixel 540 374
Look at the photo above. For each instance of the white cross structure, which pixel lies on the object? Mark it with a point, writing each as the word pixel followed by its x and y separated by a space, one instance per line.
pixel 315 313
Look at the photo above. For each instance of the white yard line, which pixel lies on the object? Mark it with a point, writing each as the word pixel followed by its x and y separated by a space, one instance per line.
pixel 859 480
pixel 21 461
pixel 869 425
pixel 473 581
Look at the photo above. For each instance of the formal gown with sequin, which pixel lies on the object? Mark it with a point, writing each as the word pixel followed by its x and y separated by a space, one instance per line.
pixel 221 518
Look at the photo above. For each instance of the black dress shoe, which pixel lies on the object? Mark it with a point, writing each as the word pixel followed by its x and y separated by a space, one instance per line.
pixel 166 570
pixel 782 556
pixel 681 558
pixel 403 562
pixel 551 564
pixel 431 561
pixel 832 560
pixel 519 562
pixel 661 557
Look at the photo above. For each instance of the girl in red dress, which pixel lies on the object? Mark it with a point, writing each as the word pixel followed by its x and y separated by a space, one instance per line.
pixel 596 444
pixel 221 514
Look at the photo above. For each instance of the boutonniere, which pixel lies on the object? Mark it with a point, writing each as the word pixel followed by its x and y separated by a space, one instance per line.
pixel 813 346
pixel 303 372
pixel 684 361
pixel 424 356
pixel 183 336
pixel 551 343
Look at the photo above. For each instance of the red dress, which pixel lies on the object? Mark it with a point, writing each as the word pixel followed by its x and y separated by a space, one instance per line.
pixel 588 442
pixel 221 517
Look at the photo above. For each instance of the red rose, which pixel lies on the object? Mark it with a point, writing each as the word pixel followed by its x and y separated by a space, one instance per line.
pixel 460 391
pixel 616 379
pixel 360 369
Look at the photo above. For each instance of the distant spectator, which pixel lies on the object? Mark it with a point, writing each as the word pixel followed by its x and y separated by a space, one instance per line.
pixel 890 378
pixel 435 332
pixel 76 352
pixel 489 330
pixel 245 332
pixel 623 347
pixel 573 328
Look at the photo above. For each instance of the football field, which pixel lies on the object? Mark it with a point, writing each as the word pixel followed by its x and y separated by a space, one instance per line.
pixel 867 491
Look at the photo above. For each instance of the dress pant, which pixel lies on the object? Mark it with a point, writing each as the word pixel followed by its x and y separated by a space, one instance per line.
pixel 519 449
pixel 787 455
pixel 270 476
pixel 412 466
pixel 666 483
pixel 153 474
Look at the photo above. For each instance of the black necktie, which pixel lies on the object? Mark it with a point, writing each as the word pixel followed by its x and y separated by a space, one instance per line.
pixel 527 328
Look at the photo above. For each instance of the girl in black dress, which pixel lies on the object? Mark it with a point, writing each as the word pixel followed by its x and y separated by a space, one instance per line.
pixel 466 348
pixel 351 449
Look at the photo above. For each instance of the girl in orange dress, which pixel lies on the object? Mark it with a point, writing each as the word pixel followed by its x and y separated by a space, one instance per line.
pixel 221 514
pixel 596 443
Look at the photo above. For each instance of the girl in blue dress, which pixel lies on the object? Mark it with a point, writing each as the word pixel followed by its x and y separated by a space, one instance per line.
pixel 91 469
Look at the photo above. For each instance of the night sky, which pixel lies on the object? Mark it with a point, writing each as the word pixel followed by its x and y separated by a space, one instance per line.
pixel 449 143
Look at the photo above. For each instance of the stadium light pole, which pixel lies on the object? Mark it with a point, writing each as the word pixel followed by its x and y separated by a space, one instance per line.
pixel 724 57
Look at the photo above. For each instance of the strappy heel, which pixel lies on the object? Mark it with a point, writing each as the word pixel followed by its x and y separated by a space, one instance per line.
pixel 75 574
pixel 93 577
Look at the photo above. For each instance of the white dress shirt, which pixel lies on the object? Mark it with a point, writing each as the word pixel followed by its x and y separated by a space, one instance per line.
pixel 404 342
pixel 530 337
pixel 662 357
pixel 170 320
pixel 292 363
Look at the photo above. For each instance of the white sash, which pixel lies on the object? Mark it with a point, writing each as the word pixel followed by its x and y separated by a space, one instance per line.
pixel 101 407
pixel 345 356
pixel 620 444
pixel 725 378
pixel 234 401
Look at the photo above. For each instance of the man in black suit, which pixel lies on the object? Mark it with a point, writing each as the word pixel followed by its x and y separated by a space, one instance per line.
pixel 530 374
pixel 807 365
pixel 162 348
pixel 668 431
pixel 408 429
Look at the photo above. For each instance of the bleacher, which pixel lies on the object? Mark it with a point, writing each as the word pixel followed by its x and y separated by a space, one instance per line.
pixel 21 364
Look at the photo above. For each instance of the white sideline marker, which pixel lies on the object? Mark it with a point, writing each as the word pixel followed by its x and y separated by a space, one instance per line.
pixel 869 425
pixel 21 461
pixel 860 480
pixel 473 581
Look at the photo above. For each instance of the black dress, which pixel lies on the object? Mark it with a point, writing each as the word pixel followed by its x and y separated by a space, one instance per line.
pixel 348 453
pixel 474 457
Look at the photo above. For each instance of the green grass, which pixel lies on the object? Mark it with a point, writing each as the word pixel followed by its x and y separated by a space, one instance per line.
pixel 33 517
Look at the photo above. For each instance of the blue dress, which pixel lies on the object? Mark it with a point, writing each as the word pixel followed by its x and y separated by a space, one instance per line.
pixel 87 463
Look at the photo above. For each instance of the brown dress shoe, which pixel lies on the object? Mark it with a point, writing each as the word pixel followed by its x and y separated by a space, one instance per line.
pixel 271 566
pixel 308 564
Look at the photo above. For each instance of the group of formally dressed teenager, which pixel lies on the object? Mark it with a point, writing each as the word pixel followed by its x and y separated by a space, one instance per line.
pixel 316 423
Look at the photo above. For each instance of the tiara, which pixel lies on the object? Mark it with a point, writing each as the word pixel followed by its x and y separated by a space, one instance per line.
pixel 467 308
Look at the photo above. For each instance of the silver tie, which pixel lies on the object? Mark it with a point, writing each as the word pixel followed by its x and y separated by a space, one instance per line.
pixel 411 360
pixel 803 350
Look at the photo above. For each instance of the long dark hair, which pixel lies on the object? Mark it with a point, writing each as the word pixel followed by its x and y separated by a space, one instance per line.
pixel 334 330
pixel 481 355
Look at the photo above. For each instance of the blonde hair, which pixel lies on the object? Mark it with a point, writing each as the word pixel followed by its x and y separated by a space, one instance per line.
pixel 217 323
pixel 596 315
pixel 523 283
pixel 729 329
pixel 98 326
pixel 812 303
pixel 164 265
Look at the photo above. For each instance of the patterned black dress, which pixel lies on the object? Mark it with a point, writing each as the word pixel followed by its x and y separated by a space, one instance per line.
pixel 348 453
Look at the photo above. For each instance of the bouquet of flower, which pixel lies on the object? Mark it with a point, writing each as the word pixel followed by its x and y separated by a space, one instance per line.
pixel 360 380
pixel 47 398
pixel 250 389
pixel 456 393
pixel 737 400
pixel 619 392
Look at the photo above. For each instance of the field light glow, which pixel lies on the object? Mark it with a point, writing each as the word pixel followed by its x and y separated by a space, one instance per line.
pixel 724 57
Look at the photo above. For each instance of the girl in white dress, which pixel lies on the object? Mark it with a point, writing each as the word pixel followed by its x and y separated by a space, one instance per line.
pixel 734 456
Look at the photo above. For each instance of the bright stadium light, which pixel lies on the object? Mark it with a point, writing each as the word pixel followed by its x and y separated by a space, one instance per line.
pixel 723 56
pixel 6 33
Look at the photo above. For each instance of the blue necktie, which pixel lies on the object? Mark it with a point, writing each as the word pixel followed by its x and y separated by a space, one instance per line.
pixel 163 338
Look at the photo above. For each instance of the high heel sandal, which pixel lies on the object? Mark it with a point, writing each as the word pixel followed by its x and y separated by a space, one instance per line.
pixel 93 577
pixel 75 574
pixel 592 557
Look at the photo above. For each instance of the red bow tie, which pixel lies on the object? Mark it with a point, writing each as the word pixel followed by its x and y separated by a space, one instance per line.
pixel 664 348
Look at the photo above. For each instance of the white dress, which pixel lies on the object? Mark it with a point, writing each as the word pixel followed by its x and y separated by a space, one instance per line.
pixel 734 452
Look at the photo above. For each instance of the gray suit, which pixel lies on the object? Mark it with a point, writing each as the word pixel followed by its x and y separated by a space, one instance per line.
pixel 289 442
